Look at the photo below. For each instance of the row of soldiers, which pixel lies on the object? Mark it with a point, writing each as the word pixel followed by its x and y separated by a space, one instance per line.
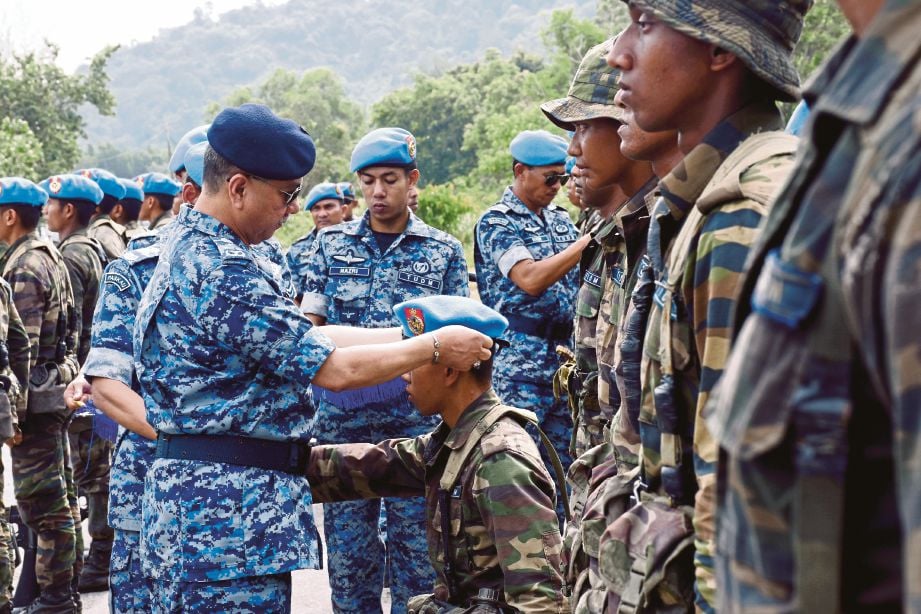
pixel 743 350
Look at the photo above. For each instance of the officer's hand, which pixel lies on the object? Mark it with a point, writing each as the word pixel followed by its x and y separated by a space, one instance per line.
pixel 462 346
pixel 77 393
pixel 16 439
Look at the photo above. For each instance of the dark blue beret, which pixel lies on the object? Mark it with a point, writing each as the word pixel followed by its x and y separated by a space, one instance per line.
pixel 72 187
pixel 384 147
pixel 539 148
pixel 193 136
pixel 257 141
pixel 194 162
pixel 427 314
pixel 106 181
pixel 322 191
pixel 19 191
pixel 132 190
pixel 158 183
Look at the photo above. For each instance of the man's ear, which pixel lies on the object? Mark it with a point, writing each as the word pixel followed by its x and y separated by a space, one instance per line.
pixel 236 189
pixel 451 376
pixel 414 176
pixel 721 59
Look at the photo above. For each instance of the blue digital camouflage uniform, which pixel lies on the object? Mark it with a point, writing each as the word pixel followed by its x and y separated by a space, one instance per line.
pixel 111 356
pixel 506 234
pixel 218 350
pixel 351 282
pixel 297 259
pixel 817 414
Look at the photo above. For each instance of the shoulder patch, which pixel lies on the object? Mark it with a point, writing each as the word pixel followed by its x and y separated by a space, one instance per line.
pixel 119 281
pixel 497 221
pixel 230 251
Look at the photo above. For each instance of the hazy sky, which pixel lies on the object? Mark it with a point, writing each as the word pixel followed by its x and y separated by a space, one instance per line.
pixel 82 27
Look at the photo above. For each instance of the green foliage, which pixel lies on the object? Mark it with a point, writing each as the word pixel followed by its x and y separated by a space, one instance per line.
pixel 35 90
pixel 315 99
pixel 125 163
pixel 825 26
pixel 612 16
pixel 449 209
pixel 296 227
pixel 20 150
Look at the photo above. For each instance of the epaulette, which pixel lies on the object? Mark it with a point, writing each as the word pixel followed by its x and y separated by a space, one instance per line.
pixel 500 207
pixel 142 254
pixel 231 252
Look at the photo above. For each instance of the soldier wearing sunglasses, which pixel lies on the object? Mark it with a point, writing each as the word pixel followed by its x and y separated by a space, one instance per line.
pixel 526 251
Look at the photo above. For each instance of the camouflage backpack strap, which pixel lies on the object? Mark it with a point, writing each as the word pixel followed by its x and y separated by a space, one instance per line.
pixel 96 246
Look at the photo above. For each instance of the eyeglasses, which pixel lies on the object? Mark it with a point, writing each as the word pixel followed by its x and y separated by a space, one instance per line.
pixel 550 180
pixel 289 196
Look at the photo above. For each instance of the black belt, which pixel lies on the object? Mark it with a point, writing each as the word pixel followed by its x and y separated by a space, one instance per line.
pixel 236 450
pixel 540 328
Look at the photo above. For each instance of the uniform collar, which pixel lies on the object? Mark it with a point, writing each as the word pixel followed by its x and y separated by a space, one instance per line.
pixel 511 200
pixel 362 227
pixel 468 420
pixel 856 82
pixel 684 184
pixel 204 223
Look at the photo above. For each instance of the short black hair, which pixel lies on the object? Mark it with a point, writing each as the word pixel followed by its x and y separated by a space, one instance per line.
pixel 108 202
pixel 85 210
pixel 131 207
pixel 27 214
pixel 164 200
pixel 216 170
pixel 483 373
pixel 515 162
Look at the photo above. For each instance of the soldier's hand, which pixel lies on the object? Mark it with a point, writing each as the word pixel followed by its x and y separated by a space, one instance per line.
pixel 461 347
pixel 77 393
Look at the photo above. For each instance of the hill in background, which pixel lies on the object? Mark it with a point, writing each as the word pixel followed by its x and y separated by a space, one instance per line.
pixel 162 87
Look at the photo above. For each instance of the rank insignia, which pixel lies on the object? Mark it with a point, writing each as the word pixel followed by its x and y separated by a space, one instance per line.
pixel 415 320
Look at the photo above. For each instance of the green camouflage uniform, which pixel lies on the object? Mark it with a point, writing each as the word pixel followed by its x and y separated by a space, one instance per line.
pixel 14 373
pixel 504 530
pixel 110 234
pixel 42 478
pixel 817 413
pixel 133 229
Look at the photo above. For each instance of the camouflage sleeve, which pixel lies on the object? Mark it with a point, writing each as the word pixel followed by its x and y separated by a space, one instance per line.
pixel 457 280
pixel 724 241
pixel 314 273
pixel 296 258
pixel 30 297
pixel 111 353
pixel 17 341
pixel 500 243
pixel 515 497
pixel 77 271
pixel 392 468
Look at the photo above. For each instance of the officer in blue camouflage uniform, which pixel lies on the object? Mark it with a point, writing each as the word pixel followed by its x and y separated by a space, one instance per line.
pixel 224 361
pixel 128 208
pixel 526 251
pixel 817 413
pixel 358 271
pixel 326 203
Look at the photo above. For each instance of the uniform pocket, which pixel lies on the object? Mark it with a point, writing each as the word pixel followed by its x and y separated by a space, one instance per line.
pixel 348 311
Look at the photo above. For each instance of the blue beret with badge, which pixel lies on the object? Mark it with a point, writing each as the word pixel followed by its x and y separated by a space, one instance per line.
pixel 158 183
pixel 106 181
pixel 72 187
pixel 347 190
pixel 192 137
pixel 427 314
pixel 257 141
pixel 19 191
pixel 322 191
pixel 539 148
pixel 194 162
pixel 384 147
pixel 132 190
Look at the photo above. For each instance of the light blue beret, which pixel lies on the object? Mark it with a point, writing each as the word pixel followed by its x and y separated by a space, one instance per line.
pixel 798 119
pixel 193 136
pixel 384 147
pixel 72 187
pixel 106 181
pixel 322 191
pixel 158 183
pixel 194 162
pixel 347 190
pixel 19 191
pixel 538 148
pixel 132 190
pixel 427 314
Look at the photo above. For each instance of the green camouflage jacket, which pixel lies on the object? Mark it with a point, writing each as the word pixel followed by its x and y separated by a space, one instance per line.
pixel 81 255
pixel 110 234
pixel 16 370
pixel 818 411
pixel 504 530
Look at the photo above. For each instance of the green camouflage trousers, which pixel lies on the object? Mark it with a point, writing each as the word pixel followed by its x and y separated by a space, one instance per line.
pixel 92 464
pixel 7 555
pixel 47 499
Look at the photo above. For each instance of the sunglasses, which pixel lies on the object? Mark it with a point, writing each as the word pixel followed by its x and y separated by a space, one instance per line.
pixel 289 196
pixel 551 180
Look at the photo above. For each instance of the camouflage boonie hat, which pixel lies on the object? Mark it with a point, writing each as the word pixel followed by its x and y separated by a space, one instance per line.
pixel 761 33
pixel 591 94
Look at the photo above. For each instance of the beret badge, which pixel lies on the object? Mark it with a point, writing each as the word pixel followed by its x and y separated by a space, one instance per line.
pixel 415 320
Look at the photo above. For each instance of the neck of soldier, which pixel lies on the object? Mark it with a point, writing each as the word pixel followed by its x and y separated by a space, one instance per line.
pixel 459 396
pixel 725 97
pixel 664 162
pixel 69 228
pixel 394 226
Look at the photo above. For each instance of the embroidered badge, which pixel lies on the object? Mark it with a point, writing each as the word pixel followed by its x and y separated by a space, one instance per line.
pixel 561 229
pixel 349 258
pixel 415 320
pixel 411 145
pixel 54 186
pixel 421 267
pixel 531 228
pixel 118 280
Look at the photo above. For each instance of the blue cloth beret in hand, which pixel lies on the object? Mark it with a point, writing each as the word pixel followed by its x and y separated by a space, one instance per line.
pixel 428 314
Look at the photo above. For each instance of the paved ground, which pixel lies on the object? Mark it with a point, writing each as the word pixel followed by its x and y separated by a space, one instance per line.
pixel 310 588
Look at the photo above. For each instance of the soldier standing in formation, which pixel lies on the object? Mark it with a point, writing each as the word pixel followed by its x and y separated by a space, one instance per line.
pixel 103 228
pixel 357 272
pixel 327 206
pixel 128 209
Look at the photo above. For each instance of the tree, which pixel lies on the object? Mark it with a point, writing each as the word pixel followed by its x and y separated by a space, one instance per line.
pixel 33 89
pixel 20 150
pixel 316 100
pixel 125 163
pixel 824 28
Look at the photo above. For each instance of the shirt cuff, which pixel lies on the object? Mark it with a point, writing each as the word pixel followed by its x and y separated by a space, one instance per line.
pixel 512 257
pixel 299 358
pixel 110 364
pixel 315 303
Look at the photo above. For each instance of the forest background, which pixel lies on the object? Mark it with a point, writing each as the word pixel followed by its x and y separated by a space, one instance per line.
pixel 463 76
